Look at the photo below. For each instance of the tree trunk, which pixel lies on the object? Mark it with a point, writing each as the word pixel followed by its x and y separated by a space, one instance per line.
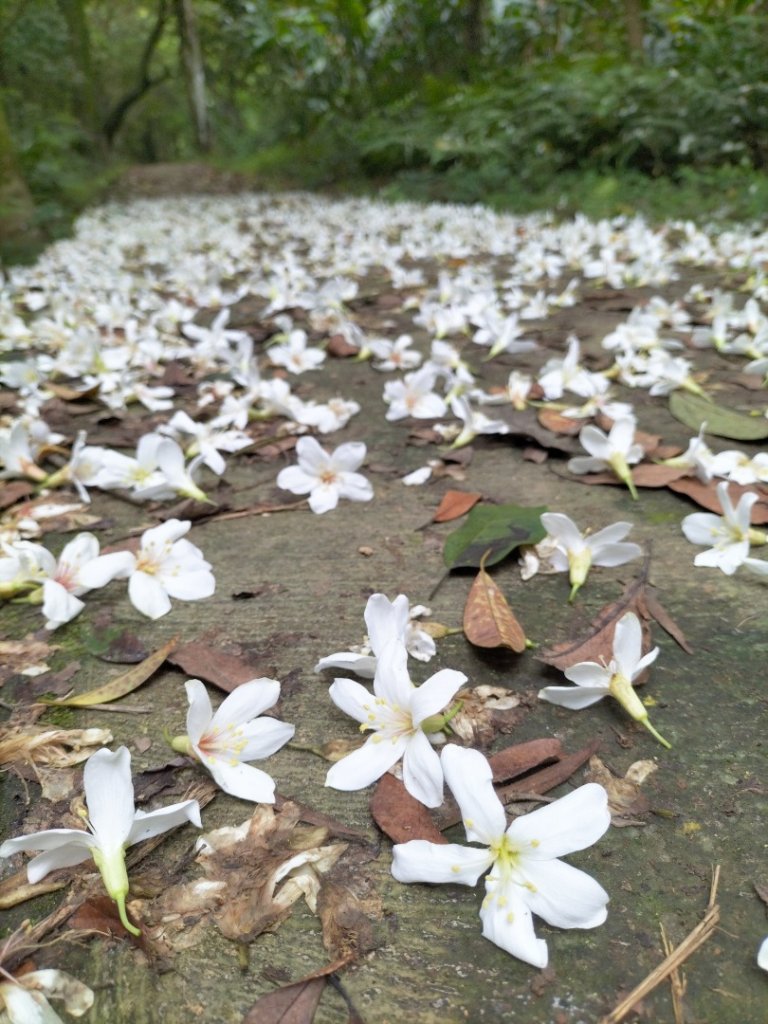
pixel 194 71
pixel 87 87
pixel 17 209
pixel 635 28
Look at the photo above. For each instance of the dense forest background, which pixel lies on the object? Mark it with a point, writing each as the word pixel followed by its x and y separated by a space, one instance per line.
pixel 615 106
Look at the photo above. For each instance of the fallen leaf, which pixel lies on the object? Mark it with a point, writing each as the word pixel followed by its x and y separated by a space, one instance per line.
pixel 486 711
pixel 488 619
pixel 208 660
pixel 646 474
pixel 455 504
pixel 559 424
pixel 350 909
pixel 537 455
pixel 292 1004
pixel 12 492
pixel 116 645
pixel 120 686
pixel 706 496
pixel 659 614
pixel 99 914
pixel 48 746
pixel 339 347
pixel 401 816
pixel 22 657
pixel 525 425
pixel 625 801
pixel 522 757
pixel 693 411
pixel 492 532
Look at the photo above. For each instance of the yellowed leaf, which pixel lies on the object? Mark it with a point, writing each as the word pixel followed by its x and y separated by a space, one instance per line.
pixel 488 619
pixel 121 685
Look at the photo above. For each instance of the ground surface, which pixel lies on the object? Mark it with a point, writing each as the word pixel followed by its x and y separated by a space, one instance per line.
pixel 307 578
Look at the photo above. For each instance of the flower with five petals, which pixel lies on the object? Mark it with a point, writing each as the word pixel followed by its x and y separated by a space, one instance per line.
pixel 326 478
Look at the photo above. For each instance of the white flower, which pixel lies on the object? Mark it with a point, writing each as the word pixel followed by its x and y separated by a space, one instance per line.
pixel 24 1000
pixel 166 566
pixel 16 457
pixel 762 955
pixel 526 875
pixel 294 354
pixel 615 451
pixel 326 478
pixel 394 355
pixel 413 396
pixel 176 475
pixel 730 534
pixel 474 422
pixel 387 621
pixel 577 552
pixel 595 681
pixel 113 825
pixel 400 716
pixel 79 569
pixel 567 374
pixel 224 741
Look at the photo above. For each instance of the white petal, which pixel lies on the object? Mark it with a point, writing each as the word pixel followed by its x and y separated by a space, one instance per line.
pixel 571 823
pixel 574 697
pixel 508 923
pixel 242 780
pixel 563 529
pixel 362 767
pixel 154 823
pixel 362 664
pixel 59 605
pixel 84 548
pixel 422 772
pixel 64 857
pixel 105 568
pixel 200 712
pixel 392 681
pixel 63 847
pixel 588 673
pixel 564 896
pixel 324 498
pixel 421 861
pixel 148 596
pixel 263 737
pixel 435 693
pixel 24 1007
pixel 355 487
pixel 247 701
pixel 109 795
pixel 353 699
pixel 386 620
pixel 190 586
pixel 312 457
pixel 469 778
pixel 609 555
pixel 628 644
pixel 608 535
pixel 762 953
pixel 593 440
pixel 349 456
pixel 295 480
pixel 586 464
pixel 727 558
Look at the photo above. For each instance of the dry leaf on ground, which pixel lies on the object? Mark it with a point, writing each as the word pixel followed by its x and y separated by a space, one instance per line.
pixel 209 659
pixel 488 619
pixel 625 800
pixel 455 504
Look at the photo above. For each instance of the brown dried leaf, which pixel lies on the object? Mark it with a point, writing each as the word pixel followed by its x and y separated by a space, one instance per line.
pixel 521 758
pixel 292 1004
pixel 646 474
pixel 339 347
pixel 350 909
pixel 209 660
pixel 559 424
pixel 660 614
pixel 400 815
pixel 485 712
pixel 488 619
pixel 14 491
pixel 455 504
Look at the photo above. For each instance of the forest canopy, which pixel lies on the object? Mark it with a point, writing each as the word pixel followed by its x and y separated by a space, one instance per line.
pixel 517 103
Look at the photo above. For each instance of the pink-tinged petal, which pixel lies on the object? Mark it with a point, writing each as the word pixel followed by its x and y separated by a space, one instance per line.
pixel 702 528
pixel 313 458
pixel 59 606
pixel 574 697
pixel 628 644
pixel 148 596
pixel 246 702
pixel 200 712
pixel 348 457
pixel 564 896
pixel 435 693
pixel 109 795
pixel 420 861
pixel 386 620
pixel 105 568
pixel 295 480
pixel 422 771
pixel 154 823
pixel 353 699
pixel 263 737
pixel 610 555
pixel 507 922
pixel 190 586
pixel 324 498
pixel 563 529
pixel 392 681
pixel 588 673
pixel 354 487
pixel 469 778
pixel 572 823
pixel 364 766
pixel 361 664
pixel 242 780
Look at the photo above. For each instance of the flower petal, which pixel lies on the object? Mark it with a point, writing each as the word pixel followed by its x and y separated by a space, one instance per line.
pixel 422 771
pixel 574 697
pixel 59 606
pixel 349 456
pixel 154 823
pixel 189 585
pixel 421 861
pixel 573 822
pixel 469 778
pixel 296 480
pixel 361 664
pixel 247 701
pixel 564 896
pixel 392 681
pixel 628 644
pixel 148 596
pixel 24 1007
pixel 109 795
pixel 242 780
pixel 762 953
pixel 508 923
pixel 324 498
pixel 435 693
pixel 263 737
pixel 616 554
pixel 702 528
pixel 105 568
pixel 362 767
pixel 353 699
pixel 563 529
pixel 588 673
pixel 200 712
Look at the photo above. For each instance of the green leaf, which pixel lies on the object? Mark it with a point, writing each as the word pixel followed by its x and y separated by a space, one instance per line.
pixel 694 410
pixel 497 529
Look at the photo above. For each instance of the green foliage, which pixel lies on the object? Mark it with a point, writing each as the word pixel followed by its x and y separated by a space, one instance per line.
pixel 490 533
